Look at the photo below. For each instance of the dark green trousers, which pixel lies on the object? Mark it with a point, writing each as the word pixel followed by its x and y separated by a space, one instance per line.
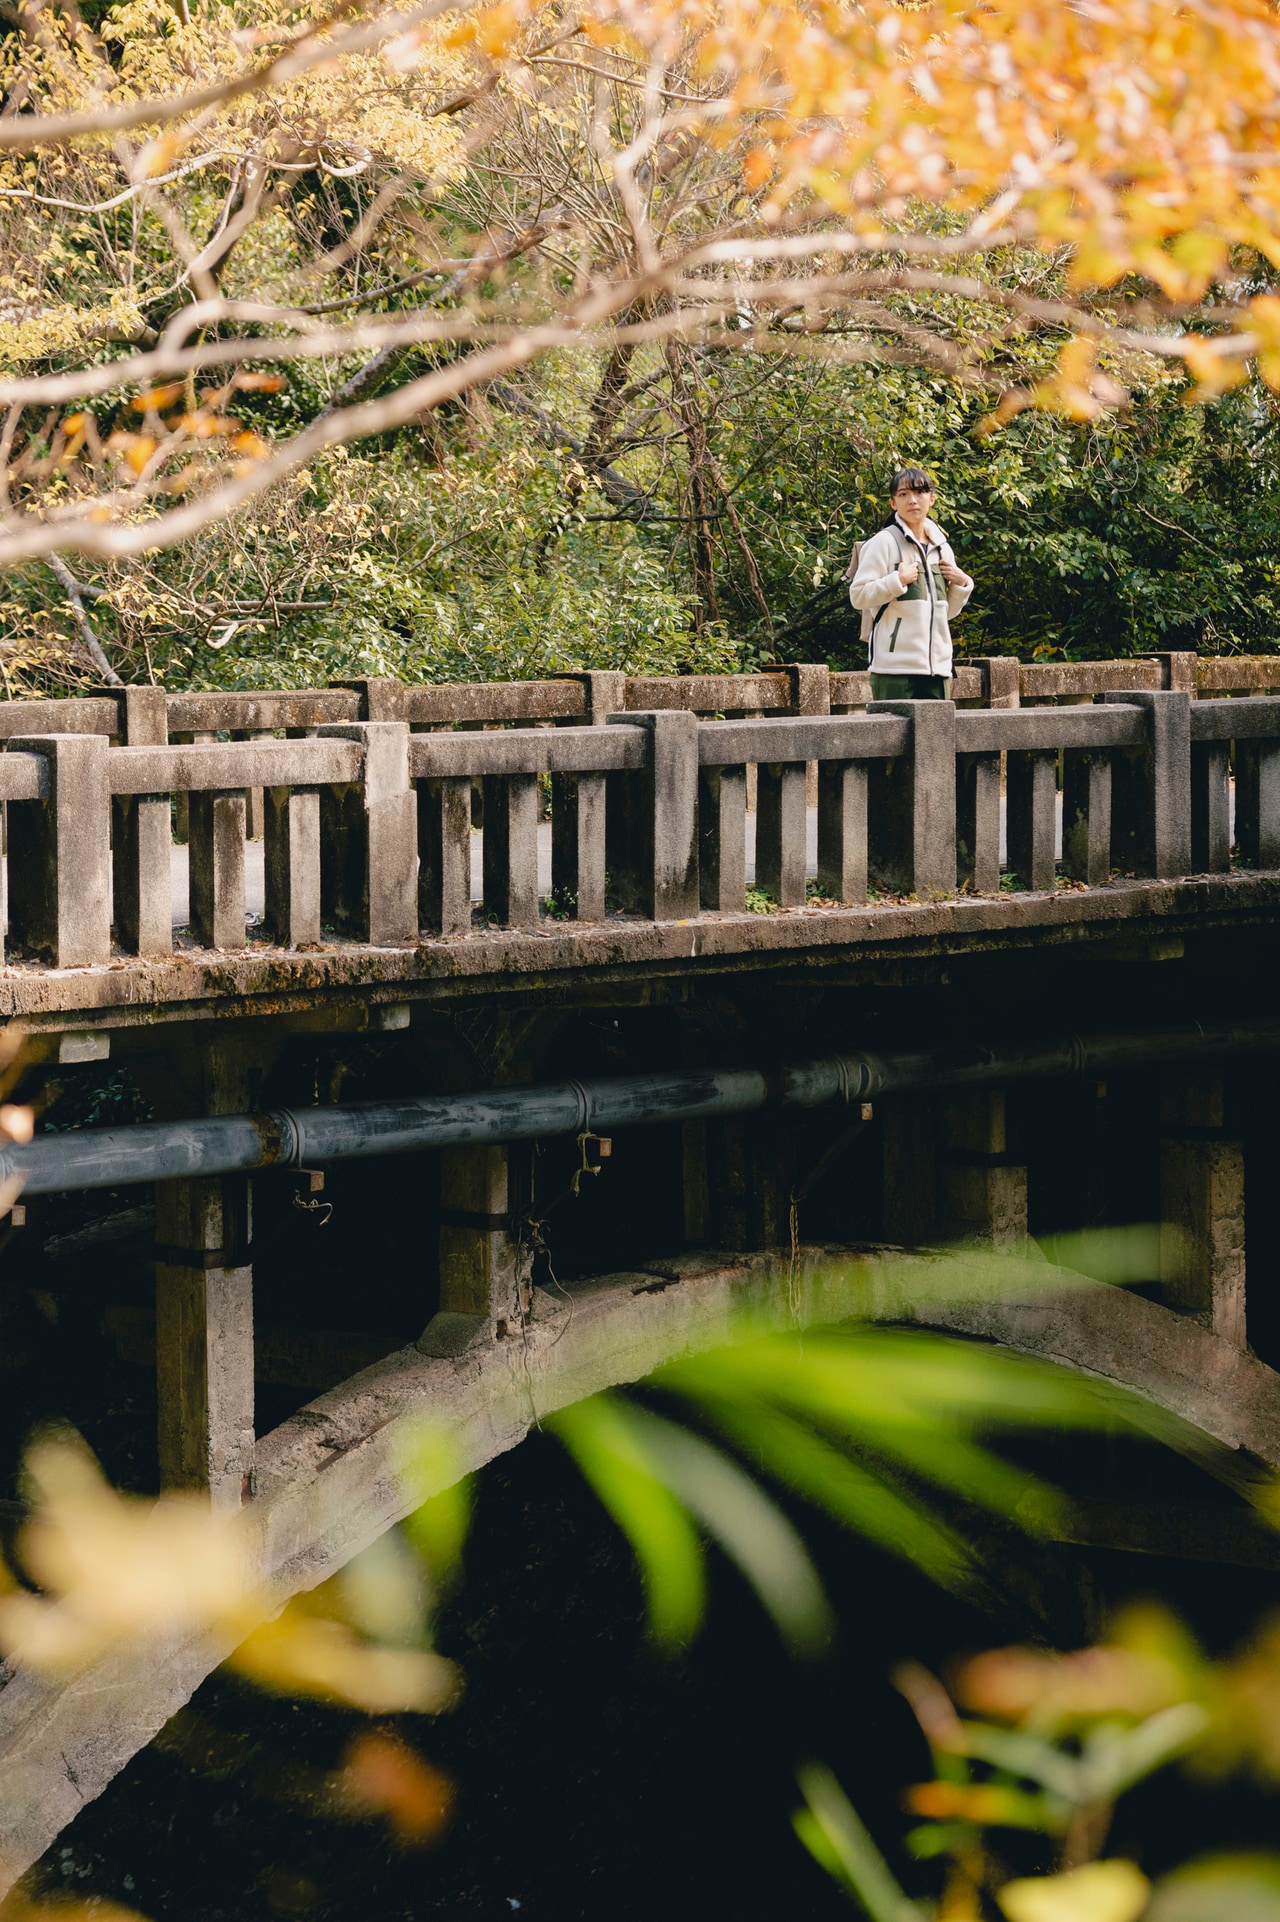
pixel 910 687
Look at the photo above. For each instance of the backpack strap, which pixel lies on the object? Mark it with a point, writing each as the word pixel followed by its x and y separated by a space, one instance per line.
pixel 891 528
pixel 856 556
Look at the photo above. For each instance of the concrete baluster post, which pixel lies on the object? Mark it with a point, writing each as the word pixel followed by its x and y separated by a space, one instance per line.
pixel 810 694
pixel 141 838
pixel 1202 1224
pixel 781 831
pixel 1000 680
pixel 381 699
pixel 604 692
pixel 1151 788
pixel 254 806
pixel 1179 669
pixel 984 1189
pixel 842 830
pixel 722 839
pixel 1086 815
pixel 60 855
pixel 1031 790
pixel 291 865
pixel 810 686
pixel 578 813
pixel 182 802
pixel 143 714
pixel 1211 807
pixel 1258 803
pixel 444 854
pixel 978 822
pixel 369 856
pixel 142 835
pixel 658 874
pixel 216 870
pixel 911 824
pixel 580 807
pixel 510 849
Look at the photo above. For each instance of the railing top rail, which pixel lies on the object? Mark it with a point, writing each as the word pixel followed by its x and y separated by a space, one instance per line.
pixel 446 703
pixel 1255 719
pixel 1245 671
pixel 1026 729
pixel 79 714
pixel 224 712
pixel 1051 679
pixel 209 767
pixel 569 750
pixel 804 737
pixel 709 693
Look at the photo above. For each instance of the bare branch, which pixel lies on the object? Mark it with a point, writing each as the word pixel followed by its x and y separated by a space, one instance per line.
pixel 621 491
pixel 92 646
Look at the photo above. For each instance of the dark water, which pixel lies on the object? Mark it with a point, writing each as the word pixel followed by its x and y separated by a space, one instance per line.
pixel 594 1778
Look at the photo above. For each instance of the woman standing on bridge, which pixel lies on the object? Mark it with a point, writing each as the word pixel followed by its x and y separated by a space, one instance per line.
pixel 909 590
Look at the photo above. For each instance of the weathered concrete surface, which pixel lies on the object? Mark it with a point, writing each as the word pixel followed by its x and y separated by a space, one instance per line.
pixel 1202 1204
pixel 330 1480
pixel 1176 1366
pixel 195 984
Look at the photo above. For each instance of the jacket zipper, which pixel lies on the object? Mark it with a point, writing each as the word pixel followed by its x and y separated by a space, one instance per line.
pixel 928 588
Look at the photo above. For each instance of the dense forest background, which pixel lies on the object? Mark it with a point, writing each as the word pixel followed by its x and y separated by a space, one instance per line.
pixel 668 502
pixel 480 543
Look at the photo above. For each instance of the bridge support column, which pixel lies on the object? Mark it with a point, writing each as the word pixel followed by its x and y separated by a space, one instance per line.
pixel 204 1337
pixel 983 1193
pixel 908 1125
pixel 480 1279
pixel 204 1289
pixel 750 1164
pixel 1202 1240
pixel 696 1184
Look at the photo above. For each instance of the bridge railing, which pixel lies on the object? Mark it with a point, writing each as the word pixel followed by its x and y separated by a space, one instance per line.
pixel 507 766
pixel 90 841
pixel 370 831
pixel 1241 737
pixel 152 717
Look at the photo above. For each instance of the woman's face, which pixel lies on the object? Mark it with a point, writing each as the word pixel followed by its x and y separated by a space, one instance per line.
pixel 912 505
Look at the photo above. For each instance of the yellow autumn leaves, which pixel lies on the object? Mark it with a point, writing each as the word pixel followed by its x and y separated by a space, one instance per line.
pixel 114 1568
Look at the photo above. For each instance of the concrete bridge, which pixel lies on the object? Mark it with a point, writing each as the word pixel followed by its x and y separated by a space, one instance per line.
pixel 1007 969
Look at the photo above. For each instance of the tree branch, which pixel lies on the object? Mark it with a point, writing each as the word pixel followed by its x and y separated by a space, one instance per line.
pixel 89 640
pixel 622 492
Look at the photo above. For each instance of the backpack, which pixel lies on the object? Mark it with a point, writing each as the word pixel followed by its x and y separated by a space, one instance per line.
pixel 891 527
pixel 826 626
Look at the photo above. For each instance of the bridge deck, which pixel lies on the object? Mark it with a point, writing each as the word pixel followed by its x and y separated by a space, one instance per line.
pixel 260 979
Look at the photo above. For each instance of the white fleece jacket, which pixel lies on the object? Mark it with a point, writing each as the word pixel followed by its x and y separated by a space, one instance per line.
pixel 907 629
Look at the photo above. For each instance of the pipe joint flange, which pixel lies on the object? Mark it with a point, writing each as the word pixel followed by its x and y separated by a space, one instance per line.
pixel 583 1098
pixel 287 1129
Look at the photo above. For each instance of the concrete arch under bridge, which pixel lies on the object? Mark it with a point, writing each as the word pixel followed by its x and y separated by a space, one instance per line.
pixel 331 1480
